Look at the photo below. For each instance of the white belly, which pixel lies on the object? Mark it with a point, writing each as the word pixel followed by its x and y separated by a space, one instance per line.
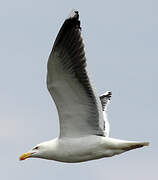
pixel 85 148
pixel 81 149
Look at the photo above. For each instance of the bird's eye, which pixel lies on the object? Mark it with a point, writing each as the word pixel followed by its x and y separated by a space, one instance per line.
pixel 35 148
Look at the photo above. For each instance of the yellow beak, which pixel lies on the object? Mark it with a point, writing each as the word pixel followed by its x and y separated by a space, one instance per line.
pixel 24 156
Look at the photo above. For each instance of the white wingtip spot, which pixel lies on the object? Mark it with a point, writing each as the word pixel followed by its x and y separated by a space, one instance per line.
pixel 72 14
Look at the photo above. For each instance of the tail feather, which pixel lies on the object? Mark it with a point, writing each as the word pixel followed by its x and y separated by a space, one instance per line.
pixel 134 145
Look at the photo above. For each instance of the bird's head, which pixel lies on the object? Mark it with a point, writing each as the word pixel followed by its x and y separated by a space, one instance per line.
pixel 34 152
pixel 41 150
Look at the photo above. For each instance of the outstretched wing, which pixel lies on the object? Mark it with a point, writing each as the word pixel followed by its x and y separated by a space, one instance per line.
pixel 78 105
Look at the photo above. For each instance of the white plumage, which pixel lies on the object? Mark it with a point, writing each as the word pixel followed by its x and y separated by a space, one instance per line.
pixel 84 128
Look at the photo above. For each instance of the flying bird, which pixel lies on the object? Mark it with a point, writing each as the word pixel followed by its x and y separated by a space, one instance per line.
pixel 84 127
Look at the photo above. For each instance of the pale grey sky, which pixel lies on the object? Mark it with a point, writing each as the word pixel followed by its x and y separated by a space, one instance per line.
pixel 121 39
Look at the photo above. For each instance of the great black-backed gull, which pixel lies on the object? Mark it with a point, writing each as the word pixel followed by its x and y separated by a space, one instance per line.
pixel 84 128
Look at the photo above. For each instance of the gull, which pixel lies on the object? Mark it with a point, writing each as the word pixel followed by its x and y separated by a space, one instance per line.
pixel 84 127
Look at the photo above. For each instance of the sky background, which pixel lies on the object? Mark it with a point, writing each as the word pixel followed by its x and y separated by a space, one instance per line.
pixel 121 43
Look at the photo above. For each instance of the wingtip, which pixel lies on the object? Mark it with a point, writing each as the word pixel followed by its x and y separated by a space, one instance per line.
pixel 106 94
pixel 72 21
pixel 73 14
